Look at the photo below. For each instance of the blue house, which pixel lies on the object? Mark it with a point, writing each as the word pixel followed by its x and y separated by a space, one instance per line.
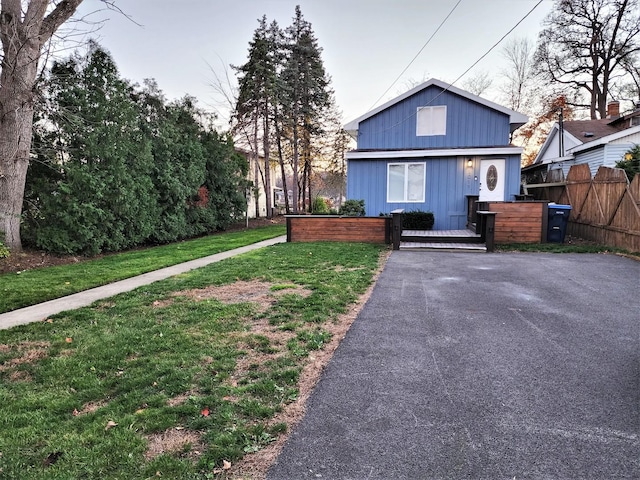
pixel 432 149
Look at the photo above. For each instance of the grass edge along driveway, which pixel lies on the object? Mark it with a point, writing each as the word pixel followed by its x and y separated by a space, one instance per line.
pixel 18 290
pixel 181 378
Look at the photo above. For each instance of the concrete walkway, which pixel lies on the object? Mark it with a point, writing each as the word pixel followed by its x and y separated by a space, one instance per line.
pixel 489 366
pixel 44 310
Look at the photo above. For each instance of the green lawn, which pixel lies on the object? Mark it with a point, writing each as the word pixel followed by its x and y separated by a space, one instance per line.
pixel 178 377
pixel 36 286
pixel 561 248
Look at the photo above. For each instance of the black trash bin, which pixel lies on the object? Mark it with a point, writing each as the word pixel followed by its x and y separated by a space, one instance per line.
pixel 558 216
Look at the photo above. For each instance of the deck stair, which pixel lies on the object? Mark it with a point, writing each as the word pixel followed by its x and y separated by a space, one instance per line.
pixel 458 240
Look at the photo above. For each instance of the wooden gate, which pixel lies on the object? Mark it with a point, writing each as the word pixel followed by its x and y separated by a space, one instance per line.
pixel 605 209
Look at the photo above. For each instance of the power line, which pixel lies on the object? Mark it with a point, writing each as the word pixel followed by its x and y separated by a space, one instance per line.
pixel 467 70
pixel 498 42
pixel 417 55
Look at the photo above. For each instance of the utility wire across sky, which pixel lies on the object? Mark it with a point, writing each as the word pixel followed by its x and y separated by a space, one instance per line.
pixel 417 55
pixel 468 69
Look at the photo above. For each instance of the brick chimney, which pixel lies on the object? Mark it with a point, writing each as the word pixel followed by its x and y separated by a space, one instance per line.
pixel 613 109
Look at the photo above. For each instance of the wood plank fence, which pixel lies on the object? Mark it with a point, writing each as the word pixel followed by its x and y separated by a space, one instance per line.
pixel 605 208
pixel 330 228
pixel 520 222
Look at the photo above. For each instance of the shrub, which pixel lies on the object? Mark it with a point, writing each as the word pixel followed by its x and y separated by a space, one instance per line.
pixel 631 166
pixel 352 208
pixel 4 251
pixel 418 220
pixel 320 206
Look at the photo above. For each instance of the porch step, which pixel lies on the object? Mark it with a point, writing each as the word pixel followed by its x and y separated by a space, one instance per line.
pixel 457 240
pixel 442 246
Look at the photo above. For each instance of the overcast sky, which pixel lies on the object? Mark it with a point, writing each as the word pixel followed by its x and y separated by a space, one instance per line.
pixel 366 43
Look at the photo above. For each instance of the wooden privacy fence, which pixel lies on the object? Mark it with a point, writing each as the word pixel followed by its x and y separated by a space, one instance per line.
pixel 605 208
pixel 520 222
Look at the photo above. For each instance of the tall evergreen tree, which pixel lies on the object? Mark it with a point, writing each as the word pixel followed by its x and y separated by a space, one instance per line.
pixel 306 97
pixel 256 96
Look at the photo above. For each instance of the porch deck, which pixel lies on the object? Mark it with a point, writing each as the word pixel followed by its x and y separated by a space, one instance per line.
pixel 441 233
pixel 458 240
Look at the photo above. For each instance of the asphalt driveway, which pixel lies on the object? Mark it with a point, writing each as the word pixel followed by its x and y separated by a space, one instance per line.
pixel 482 366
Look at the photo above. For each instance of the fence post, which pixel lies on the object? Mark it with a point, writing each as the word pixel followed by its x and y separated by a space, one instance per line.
pixel 487 221
pixel 396 227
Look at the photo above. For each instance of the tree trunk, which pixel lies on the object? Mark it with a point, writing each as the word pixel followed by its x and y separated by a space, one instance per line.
pixel 24 29
pixel 296 163
pixel 16 124
pixel 15 142
pixel 278 132
pixel 256 164
pixel 267 168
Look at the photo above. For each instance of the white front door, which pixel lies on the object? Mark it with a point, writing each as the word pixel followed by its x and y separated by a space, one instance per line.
pixel 492 177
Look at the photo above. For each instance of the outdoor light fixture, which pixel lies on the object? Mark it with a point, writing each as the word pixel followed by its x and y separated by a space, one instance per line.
pixel 628 156
pixel 469 163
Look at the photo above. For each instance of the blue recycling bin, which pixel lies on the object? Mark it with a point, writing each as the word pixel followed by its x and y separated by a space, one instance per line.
pixel 558 218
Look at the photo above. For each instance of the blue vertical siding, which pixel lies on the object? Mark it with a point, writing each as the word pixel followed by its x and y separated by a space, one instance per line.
pixel 448 181
pixel 512 180
pixel 469 124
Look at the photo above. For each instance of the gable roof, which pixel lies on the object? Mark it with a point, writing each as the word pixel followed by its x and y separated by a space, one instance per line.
pixel 553 133
pixel 617 135
pixel 584 143
pixel 589 130
pixel 516 119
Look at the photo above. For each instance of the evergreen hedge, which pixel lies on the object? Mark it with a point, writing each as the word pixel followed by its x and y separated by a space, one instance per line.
pixel 117 166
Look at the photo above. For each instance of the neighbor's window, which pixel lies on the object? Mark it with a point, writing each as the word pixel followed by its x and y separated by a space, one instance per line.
pixel 431 121
pixel 405 182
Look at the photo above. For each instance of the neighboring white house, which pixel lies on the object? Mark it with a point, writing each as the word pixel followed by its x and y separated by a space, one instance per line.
pixel 594 142
pixel 257 172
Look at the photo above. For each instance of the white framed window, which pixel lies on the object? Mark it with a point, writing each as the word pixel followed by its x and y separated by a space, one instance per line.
pixel 431 121
pixel 406 182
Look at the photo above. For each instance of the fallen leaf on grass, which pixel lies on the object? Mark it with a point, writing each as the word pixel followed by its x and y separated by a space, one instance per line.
pixel 68 340
pixel 110 424
pixel 52 458
pixel 226 465
pixel 205 412
pixel 75 412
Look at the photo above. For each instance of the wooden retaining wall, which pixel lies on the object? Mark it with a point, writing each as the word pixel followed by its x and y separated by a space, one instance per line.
pixel 330 228
pixel 520 222
pixel 605 208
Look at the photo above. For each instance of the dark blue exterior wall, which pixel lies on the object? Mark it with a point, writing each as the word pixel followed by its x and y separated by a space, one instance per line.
pixel 469 124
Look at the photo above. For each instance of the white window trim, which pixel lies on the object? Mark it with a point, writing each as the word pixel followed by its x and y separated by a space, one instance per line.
pixel 406 182
pixel 430 128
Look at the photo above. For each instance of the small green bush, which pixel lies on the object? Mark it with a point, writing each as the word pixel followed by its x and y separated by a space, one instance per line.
pixel 4 251
pixel 632 165
pixel 418 220
pixel 352 208
pixel 320 206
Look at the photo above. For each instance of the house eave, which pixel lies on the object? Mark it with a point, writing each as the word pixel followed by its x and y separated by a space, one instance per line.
pixel 444 152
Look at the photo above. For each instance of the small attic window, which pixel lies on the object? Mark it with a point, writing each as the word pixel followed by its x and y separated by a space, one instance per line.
pixel 588 134
pixel 431 121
